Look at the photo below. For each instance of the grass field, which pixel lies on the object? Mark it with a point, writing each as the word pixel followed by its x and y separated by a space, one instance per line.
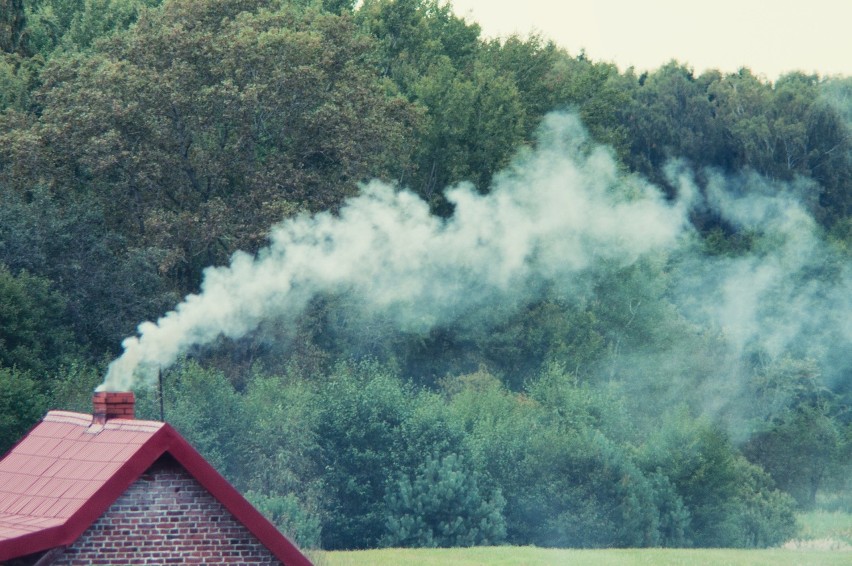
pixel 530 556
pixel 826 525
pixel 825 539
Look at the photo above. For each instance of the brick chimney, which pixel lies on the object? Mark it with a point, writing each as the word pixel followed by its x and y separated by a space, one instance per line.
pixel 113 405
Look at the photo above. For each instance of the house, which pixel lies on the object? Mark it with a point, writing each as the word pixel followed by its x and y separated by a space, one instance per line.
pixel 109 489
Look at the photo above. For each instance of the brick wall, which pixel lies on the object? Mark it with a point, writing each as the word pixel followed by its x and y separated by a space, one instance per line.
pixel 166 517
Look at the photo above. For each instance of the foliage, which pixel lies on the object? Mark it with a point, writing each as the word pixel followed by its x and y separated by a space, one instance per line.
pixel 473 115
pixel 203 406
pixel 65 25
pixel 442 506
pixel 764 517
pixel 730 501
pixel 361 411
pixel 799 441
pixel 18 79
pixel 184 129
pixel 142 141
pixel 564 484
pixel 71 386
pixel 283 445
pixel 21 405
pixel 107 284
pixel 12 26
pixel 286 513
pixel 33 333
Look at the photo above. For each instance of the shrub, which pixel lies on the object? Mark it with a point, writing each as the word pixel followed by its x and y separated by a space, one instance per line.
pixel 287 513
pixel 730 502
pixel 21 405
pixel 565 484
pixel 442 505
pixel 360 409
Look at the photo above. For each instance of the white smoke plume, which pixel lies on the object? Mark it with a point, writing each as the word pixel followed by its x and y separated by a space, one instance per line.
pixel 558 210
pixel 792 294
pixel 557 213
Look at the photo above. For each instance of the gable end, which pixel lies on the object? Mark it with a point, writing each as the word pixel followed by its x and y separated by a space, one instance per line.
pixel 166 517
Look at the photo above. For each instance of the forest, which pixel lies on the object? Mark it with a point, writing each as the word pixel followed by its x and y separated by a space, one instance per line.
pixel 407 285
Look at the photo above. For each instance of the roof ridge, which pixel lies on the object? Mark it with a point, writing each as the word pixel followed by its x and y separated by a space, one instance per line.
pixel 82 419
pixel 67 417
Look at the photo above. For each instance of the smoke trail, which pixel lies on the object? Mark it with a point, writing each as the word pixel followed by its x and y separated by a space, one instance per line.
pixel 556 212
pixel 787 295
pixel 790 295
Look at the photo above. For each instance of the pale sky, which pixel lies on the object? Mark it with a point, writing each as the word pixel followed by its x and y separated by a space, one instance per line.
pixel 771 37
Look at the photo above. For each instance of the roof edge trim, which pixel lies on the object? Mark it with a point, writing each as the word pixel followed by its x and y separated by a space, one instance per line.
pixel 205 474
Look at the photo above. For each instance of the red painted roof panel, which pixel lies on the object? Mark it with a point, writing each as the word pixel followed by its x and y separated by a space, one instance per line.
pixel 60 465
pixel 68 470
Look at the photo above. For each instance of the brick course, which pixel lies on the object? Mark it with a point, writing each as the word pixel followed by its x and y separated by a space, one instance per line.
pixel 166 517
pixel 112 405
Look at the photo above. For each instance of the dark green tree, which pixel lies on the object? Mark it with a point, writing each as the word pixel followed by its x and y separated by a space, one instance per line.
pixel 57 26
pixel 565 483
pixel 473 118
pixel 206 123
pixel 730 502
pixel 361 410
pixel 284 479
pixel 533 63
pixel 671 116
pixel 288 514
pixel 601 96
pixel 18 79
pixel 34 335
pixel 204 407
pixel 474 122
pixel 799 431
pixel 108 283
pixel 442 505
pixel 12 27
pixel 22 403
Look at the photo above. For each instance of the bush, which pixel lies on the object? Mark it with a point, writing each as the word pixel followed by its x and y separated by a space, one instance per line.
pixel 799 435
pixel 21 405
pixel 204 407
pixel 764 516
pixel 360 410
pixel 730 502
pixel 565 484
pixel 382 444
pixel 287 513
pixel 584 491
pixel 442 505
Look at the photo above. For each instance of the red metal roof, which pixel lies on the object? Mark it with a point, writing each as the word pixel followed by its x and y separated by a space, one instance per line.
pixel 67 471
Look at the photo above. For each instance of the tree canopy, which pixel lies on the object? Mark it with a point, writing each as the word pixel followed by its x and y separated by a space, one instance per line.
pixel 693 395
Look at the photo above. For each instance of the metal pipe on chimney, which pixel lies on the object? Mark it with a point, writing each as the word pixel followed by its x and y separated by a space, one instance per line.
pixel 160 379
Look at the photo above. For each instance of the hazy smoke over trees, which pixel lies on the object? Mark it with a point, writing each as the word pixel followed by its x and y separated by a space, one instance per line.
pixel 559 210
pixel 630 322
pixel 557 214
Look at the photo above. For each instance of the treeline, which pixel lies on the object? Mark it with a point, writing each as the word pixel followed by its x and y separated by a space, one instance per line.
pixel 358 457
pixel 141 142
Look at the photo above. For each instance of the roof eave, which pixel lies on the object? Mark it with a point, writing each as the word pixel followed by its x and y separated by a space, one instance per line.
pixel 205 474
pixel 165 440
pixel 74 526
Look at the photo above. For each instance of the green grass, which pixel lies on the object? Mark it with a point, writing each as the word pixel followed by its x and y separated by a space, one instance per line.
pixel 820 533
pixel 818 525
pixel 531 556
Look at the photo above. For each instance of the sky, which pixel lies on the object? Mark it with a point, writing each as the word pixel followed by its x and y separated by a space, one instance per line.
pixel 771 37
